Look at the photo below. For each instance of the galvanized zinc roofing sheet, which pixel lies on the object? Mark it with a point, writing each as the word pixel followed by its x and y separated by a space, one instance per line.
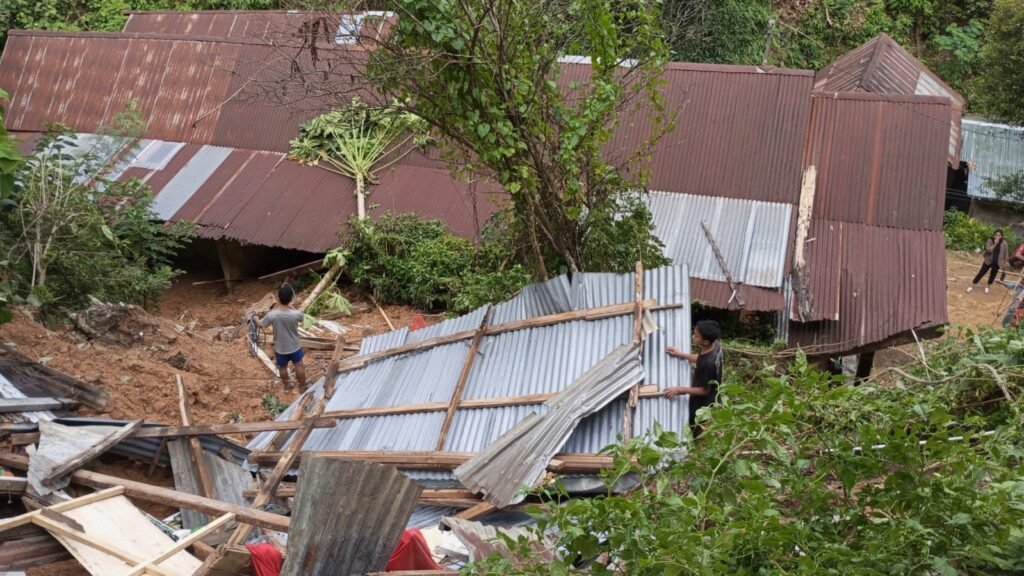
pixel 753 236
pixel 537 360
pixel 990 150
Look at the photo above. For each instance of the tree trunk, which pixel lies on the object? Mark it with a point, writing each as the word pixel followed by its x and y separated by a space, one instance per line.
pixel 360 197
pixel 325 282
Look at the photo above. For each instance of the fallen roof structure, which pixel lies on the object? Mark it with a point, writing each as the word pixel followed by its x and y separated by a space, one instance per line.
pixel 427 401
pixel 991 150
pixel 735 160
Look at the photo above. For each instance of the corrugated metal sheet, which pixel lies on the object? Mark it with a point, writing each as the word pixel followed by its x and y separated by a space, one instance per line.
pixel 9 391
pixel 250 24
pixel 184 87
pixel 871 283
pixel 558 354
pixel 229 479
pixel 738 131
pixel 520 457
pixel 752 236
pixel 882 66
pixel 990 150
pixel 881 159
pixel 187 181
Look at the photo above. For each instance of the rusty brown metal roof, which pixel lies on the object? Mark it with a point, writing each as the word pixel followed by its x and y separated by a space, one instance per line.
pixel 880 159
pixel 252 24
pixel 882 66
pixel 184 87
pixel 878 282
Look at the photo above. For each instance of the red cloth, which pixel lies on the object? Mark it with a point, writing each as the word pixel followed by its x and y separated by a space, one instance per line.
pixel 417 323
pixel 266 560
pixel 411 553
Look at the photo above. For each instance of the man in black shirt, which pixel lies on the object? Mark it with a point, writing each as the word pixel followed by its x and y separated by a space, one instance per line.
pixel 707 372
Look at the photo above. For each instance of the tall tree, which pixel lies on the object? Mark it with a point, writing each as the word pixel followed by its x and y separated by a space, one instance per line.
pixel 486 76
pixel 1003 62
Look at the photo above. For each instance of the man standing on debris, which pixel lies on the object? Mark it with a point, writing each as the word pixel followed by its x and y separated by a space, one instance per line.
pixel 707 372
pixel 287 347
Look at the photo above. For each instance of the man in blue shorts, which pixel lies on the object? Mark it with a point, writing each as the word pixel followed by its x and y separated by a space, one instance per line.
pixel 287 347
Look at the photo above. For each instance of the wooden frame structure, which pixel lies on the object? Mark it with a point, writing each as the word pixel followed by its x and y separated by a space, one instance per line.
pixel 53 520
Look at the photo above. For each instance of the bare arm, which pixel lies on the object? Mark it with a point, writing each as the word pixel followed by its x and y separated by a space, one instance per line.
pixel 680 390
pixel 673 351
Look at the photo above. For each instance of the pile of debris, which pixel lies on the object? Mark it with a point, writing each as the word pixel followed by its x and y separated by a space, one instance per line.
pixel 513 393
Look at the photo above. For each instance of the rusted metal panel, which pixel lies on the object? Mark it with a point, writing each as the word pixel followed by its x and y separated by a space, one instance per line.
pixel 719 295
pixel 881 160
pixel 878 282
pixel 738 131
pixel 882 66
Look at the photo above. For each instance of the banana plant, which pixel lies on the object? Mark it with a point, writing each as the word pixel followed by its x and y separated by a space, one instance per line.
pixel 358 141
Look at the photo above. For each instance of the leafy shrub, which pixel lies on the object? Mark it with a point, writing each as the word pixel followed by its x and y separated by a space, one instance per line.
pixel 70 232
pixel 272 405
pixel 966 233
pixel 800 473
pixel 410 260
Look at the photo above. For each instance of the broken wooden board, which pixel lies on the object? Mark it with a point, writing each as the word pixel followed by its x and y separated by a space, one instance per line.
pixel 229 480
pixel 64 449
pixel 33 378
pixel 228 561
pixel 9 405
pixel 348 517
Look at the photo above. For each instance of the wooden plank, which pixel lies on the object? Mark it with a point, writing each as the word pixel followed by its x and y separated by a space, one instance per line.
pixel 295 420
pixel 331 376
pixel 476 512
pixel 280 469
pixel 60 530
pixel 588 314
pixel 75 463
pixel 348 516
pixel 205 483
pixel 567 463
pixel 300 269
pixel 460 385
pixel 723 265
pixel 224 429
pixel 638 336
pixel 58 517
pixel 159 495
pixel 13 405
pixel 649 391
pixel 180 545
pixel 27 518
pixel 445 498
pixel 227 561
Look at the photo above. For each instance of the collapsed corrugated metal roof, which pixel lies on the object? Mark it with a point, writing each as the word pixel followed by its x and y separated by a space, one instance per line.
pixel 882 66
pixel 540 360
pixel 520 457
pixel 990 150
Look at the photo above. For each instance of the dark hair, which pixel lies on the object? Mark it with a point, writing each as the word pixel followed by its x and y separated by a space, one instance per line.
pixel 285 294
pixel 709 330
pixel 998 231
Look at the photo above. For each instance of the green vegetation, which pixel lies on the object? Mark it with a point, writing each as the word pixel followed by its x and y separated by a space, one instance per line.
pixel 800 473
pixel 272 405
pixel 1009 189
pixel 410 260
pixel 966 233
pixel 358 142
pixel 572 209
pixel 10 162
pixel 68 232
pixel 1003 62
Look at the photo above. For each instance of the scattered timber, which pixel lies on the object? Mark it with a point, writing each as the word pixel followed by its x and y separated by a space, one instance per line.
pixel 19 368
pixel 77 462
pixel 290 272
pixel 164 496
pixel 562 463
pixel 21 439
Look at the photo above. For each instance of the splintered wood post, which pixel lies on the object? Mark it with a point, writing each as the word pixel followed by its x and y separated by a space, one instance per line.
pixel 195 445
pixel 348 517
pixel 156 457
pixel 476 512
pixel 724 266
pixel 638 328
pixel 460 386
pixel 382 312
pixel 268 488
pixel 75 463
pixel 297 415
pixel 331 375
